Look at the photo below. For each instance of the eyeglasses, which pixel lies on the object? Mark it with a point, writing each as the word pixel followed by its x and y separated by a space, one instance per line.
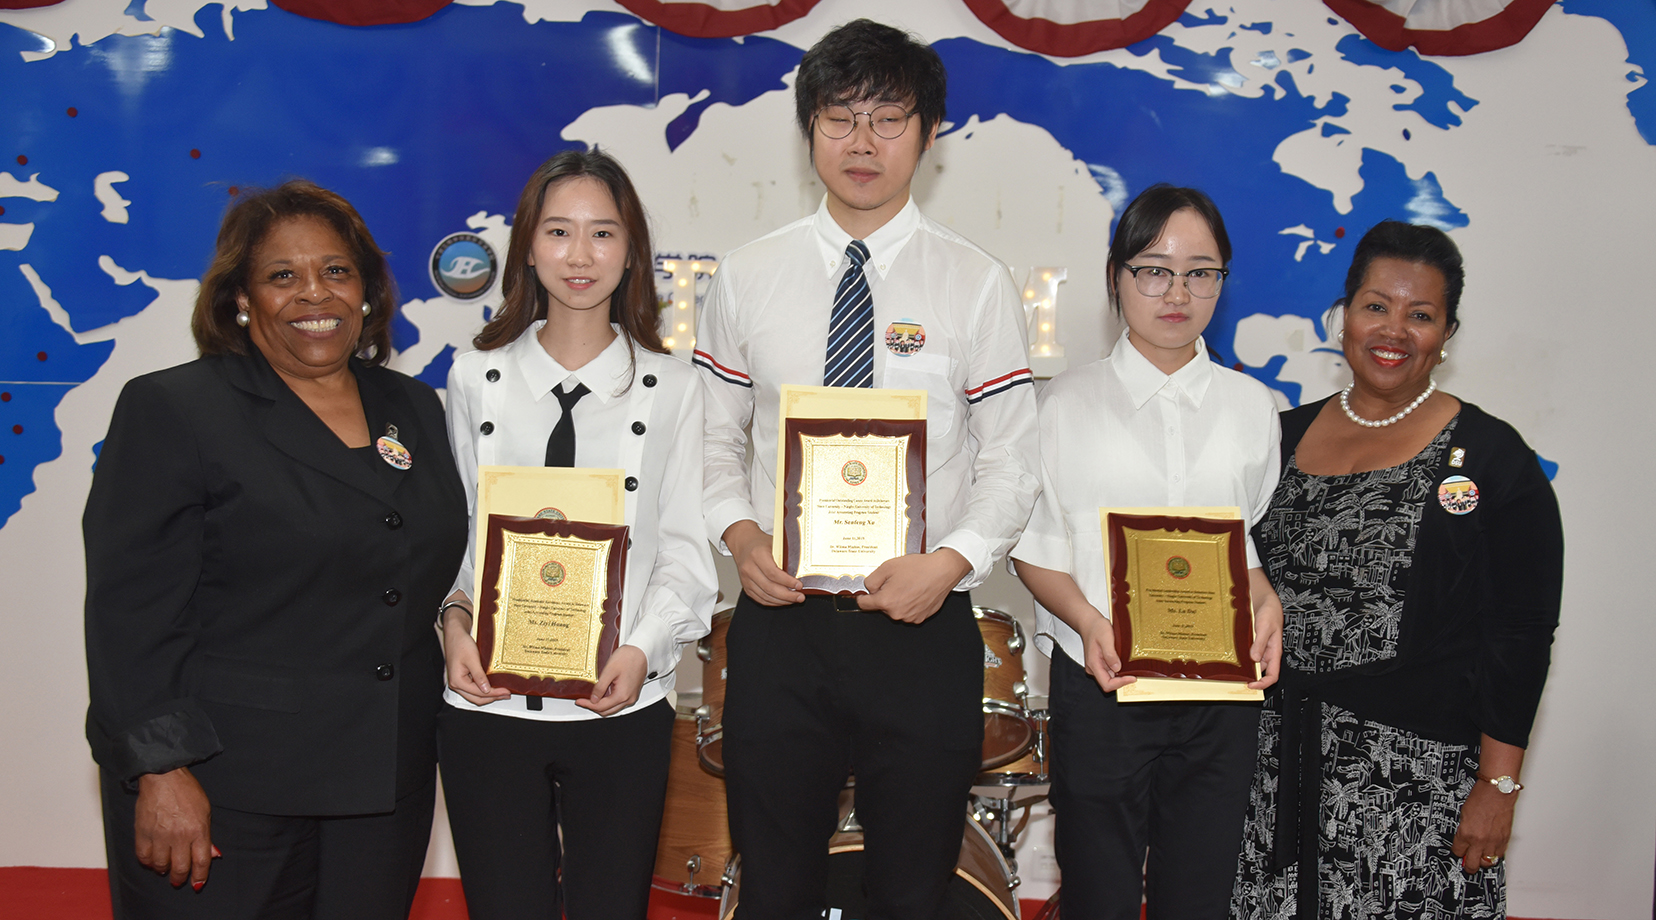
pixel 887 121
pixel 1154 281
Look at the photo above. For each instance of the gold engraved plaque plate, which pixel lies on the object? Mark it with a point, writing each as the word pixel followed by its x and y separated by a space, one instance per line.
pixel 853 494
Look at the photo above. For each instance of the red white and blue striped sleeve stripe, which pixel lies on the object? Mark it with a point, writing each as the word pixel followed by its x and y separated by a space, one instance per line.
pixel 705 361
pixel 1000 384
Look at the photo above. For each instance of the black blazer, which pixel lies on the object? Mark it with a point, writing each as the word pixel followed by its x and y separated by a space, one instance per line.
pixel 260 599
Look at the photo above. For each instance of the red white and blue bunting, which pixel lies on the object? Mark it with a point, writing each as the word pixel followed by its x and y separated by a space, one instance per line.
pixel 363 12
pixel 1442 27
pixel 1070 28
pixel 718 18
pixel 1061 28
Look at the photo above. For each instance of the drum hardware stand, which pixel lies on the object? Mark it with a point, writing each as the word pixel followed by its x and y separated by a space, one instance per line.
pixel 733 865
pixel 693 865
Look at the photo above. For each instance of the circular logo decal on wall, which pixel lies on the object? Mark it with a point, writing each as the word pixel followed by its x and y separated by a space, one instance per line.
pixel 463 266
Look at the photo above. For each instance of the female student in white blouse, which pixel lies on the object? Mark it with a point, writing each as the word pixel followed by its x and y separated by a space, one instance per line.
pixel 571 371
pixel 1156 423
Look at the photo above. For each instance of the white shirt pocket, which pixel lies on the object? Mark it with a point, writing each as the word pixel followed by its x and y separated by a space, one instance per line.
pixel 1086 537
pixel 927 372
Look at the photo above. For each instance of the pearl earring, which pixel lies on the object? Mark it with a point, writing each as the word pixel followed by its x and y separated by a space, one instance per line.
pixel 242 319
pixel 366 309
pixel 1443 355
pixel 1339 334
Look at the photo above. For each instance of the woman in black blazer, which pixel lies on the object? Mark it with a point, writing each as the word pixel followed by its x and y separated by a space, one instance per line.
pixel 269 533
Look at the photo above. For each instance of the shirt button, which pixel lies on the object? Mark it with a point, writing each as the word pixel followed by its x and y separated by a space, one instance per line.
pixel 392 597
pixel 650 676
pixel 632 483
pixel 1177 478
pixel 486 427
pixel 385 672
pixel 638 427
pixel 393 520
pixel 649 380
pixel 492 375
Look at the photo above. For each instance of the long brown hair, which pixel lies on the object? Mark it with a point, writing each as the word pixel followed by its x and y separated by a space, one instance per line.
pixel 247 222
pixel 633 306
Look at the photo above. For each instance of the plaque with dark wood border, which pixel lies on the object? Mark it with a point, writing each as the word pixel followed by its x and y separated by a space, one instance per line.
pixel 1137 568
pixel 586 563
pixel 910 470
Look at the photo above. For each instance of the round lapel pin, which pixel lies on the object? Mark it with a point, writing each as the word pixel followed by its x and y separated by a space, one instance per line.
pixel 392 450
pixel 1458 495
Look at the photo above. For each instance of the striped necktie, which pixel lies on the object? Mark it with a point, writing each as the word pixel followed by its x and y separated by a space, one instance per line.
pixel 851 328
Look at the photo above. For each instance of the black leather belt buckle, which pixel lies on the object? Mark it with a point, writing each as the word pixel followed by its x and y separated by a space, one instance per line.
pixel 846 603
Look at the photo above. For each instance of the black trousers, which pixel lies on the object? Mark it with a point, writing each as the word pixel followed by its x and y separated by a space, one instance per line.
pixel 816 693
pixel 1172 778
pixel 511 785
pixel 278 867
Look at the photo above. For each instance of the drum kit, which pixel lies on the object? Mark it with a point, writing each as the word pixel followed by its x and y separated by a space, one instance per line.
pixel 695 856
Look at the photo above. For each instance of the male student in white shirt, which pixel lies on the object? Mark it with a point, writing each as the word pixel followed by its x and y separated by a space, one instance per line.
pixel 886 685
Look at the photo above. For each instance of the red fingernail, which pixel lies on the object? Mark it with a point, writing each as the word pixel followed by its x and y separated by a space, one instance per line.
pixel 217 854
pixel 197 885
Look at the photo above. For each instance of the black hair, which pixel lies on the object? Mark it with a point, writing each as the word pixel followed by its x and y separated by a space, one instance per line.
pixel 864 59
pixel 1418 243
pixel 1143 221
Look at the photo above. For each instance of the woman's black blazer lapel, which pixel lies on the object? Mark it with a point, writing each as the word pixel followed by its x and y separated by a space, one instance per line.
pixel 289 426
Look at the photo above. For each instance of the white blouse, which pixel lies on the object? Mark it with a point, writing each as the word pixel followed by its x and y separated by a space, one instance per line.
pixel 501 411
pixel 1120 433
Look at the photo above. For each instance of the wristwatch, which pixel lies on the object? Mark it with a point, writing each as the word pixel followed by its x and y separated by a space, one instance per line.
pixel 1505 784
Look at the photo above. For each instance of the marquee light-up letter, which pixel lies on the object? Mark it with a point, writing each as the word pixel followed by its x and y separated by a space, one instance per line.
pixel 1040 303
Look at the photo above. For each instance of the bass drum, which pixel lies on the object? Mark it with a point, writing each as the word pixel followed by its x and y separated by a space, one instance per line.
pixel 695 840
pixel 1008 731
pixel 980 890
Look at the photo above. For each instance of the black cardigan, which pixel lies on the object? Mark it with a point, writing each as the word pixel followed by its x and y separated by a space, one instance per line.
pixel 1474 644
pixel 1481 602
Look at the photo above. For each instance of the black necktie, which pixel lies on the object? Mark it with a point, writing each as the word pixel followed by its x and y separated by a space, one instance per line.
pixel 560 448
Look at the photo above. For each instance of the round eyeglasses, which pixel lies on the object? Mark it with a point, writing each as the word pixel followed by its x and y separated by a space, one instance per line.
pixel 888 121
pixel 1154 280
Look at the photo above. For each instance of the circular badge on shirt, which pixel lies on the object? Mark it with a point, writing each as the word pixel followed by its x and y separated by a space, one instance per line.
pixel 1458 495
pixel 393 452
pixel 551 514
pixel 1178 567
pixel 854 473
pixel 552 573
pixel 905 338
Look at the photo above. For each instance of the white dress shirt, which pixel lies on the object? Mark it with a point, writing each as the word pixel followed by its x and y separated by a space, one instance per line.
pixel 1119 433
pixel 670 587
pixel 765 324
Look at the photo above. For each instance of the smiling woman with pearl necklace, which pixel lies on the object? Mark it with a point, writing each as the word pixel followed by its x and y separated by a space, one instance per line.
pixel 1417 548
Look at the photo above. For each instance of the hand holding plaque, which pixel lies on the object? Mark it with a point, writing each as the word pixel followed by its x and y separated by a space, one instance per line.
pixel 548 586
pixel 851 490
pixel 1180 605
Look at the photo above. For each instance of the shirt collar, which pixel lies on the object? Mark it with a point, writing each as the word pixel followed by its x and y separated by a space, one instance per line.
pixel 883 244
pixel 1143 380
pixel 605 375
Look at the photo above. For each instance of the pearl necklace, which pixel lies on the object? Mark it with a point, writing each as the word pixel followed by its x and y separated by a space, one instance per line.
pixel 1345 403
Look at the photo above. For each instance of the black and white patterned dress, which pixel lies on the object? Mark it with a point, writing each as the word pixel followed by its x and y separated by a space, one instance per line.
pixel 1338 549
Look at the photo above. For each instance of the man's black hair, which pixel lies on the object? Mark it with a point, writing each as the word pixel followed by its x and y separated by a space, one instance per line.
pixel 864 59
